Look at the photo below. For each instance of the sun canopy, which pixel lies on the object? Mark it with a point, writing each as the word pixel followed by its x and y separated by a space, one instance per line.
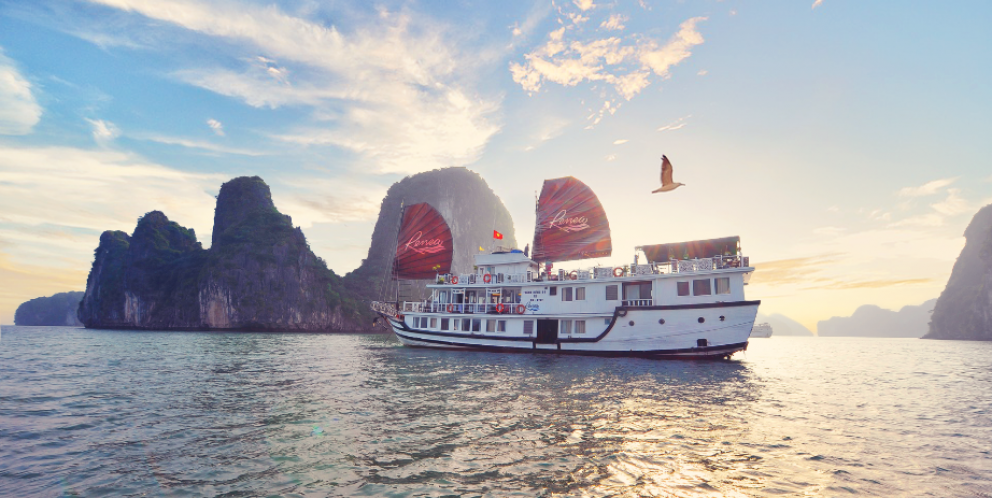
pixel 424 245
pixel 571 223
pixel 660 253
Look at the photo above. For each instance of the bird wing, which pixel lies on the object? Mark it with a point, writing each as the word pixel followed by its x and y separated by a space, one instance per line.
pixel 666 171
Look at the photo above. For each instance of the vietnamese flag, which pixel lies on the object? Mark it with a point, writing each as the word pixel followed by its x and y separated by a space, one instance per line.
pixel 497 235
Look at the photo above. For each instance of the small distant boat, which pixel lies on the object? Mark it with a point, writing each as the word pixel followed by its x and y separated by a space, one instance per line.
pixel 686 301
pixel 761 330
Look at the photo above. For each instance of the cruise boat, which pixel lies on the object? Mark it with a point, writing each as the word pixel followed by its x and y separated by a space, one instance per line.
pixel 685 299
pixel 761 330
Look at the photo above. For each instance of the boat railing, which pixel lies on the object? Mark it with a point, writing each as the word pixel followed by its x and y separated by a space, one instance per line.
pixel 469 308
pixel 638 302
pixel 626 271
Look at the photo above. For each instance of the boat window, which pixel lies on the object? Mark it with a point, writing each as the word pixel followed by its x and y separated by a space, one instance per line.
pixel 683 288
pixel 433 323
pixel 580 326
pixel 416 322
pixel 723 285
pixel 476 325
pixel 566 327
pixel 490 325
pixel 553 291
pixel 466 324
pixel 444 324
pixel 528 327
pixel 566 294
pixel 580 293
pixel 454 323
pixel 501 326
pixel 612 293
pixel 701 287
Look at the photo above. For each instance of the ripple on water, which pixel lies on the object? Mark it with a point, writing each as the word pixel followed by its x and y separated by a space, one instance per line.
pixel 98 413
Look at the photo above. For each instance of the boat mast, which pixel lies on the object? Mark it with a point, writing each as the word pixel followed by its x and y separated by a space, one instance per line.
pixel 386 281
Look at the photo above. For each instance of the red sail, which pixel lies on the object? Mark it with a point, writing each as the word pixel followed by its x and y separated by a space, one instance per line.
pixel 571 223
pixel 424 245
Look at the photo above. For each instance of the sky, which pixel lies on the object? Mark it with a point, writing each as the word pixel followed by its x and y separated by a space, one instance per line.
pixel 846 142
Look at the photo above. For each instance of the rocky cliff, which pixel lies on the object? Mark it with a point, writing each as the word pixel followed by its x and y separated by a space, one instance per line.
pixel 259 274
pixel 871 321
pixel 57 310
pixel 470 207
pixel 964 309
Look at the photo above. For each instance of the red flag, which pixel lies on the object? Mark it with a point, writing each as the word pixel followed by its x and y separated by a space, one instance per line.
pixel 497 235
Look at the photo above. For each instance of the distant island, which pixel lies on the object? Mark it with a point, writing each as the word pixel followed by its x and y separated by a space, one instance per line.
pixel 964 309
pixel 57 310
pixel 259 273
pixel 783 325
pixel 872 321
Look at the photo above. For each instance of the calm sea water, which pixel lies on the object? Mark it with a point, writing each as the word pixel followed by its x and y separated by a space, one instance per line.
pixel 109 413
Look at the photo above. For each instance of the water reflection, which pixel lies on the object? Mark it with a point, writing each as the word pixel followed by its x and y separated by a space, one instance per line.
pixel 90 413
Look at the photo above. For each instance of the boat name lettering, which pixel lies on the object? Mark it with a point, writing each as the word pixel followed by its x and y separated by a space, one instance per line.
pixel 564 223
pixel 429 246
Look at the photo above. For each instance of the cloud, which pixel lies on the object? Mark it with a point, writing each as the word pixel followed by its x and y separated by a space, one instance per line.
pixel 620 142
pixel 584 5
pixel 817 3
pixel 395 91
pixel 829 231
pixel 926 189
pixel 19 111
pixel 702 72
pixel 216 126
pixel 614 23
pixel 876 284
pixel 678 124
pixel 196 144
pixel 99 189
pixel 792 271
pixel 954 204
pixel 103 131
pixel 624 63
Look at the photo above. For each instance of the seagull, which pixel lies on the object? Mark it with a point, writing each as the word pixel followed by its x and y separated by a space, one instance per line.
pixel 667 185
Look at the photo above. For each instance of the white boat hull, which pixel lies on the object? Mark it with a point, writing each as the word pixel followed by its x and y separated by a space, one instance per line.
pixel 710 330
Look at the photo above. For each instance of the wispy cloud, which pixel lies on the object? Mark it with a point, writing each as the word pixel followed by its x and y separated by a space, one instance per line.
pixel 678 124
pixel 393 92
pixel 620 142
pixel 19 111
pixel 614 23
pixel 926 189
pixel 624 63
pixel 876 284
pixel 216 126
pixel 103 131
pixel 197 144
pixel 98 189
pixel 702 72
pixel 792 271
pixel 817 3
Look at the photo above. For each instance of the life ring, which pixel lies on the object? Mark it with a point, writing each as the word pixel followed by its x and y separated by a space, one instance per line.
pixel 454 280
pixel 487 278
pixel 451 308
pixel 618 272
pixel 574 275
pixel 500 308
pixel 520 309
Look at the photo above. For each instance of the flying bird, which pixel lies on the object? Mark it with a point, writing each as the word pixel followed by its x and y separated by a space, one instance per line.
pixel 667 185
